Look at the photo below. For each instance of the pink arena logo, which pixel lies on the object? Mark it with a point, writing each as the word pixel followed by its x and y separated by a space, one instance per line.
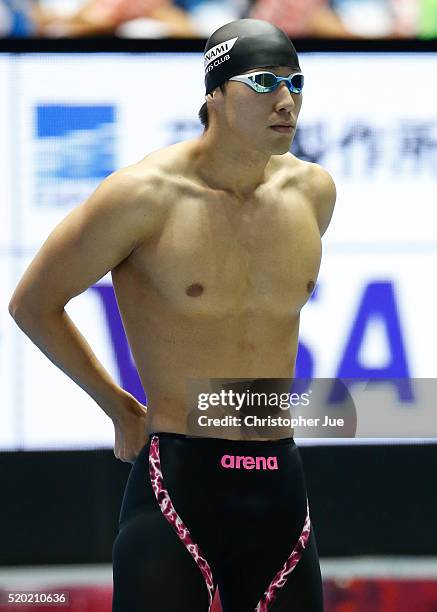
pixel 237 462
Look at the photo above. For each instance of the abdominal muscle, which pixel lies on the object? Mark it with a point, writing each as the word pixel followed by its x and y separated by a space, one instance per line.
pixel 178 357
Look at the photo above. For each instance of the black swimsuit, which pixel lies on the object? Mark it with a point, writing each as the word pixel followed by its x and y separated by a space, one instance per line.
pixel 199 513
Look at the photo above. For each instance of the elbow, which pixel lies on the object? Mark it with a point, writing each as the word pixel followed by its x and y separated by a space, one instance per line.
pixel 21 308
pixel 23 312
pixel 26 304
pixel 26 317
pixel 13 308
pixel 19 302
pixel 17 310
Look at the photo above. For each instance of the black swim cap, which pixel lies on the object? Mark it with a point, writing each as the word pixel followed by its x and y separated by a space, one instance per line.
pixel 243 45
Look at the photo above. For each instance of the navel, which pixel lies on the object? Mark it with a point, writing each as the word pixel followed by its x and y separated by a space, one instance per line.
pixel 310 286
pixel 194 290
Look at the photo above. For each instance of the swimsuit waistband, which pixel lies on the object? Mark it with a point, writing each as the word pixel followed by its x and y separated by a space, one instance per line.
pixel 225 441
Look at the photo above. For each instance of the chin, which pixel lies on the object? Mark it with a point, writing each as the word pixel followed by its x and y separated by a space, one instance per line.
pixel 280 146
pixel 281 150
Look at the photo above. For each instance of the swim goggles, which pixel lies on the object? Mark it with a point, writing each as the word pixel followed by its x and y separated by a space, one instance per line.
pixel 264 82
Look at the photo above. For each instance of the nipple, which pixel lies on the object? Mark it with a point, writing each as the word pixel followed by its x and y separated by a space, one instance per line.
pixel 310 286
pixel 194 290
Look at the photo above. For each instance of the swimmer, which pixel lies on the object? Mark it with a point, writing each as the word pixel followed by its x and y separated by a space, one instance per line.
pixel 214 247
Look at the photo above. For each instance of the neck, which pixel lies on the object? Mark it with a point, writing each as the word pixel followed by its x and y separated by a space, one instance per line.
pixel 224 163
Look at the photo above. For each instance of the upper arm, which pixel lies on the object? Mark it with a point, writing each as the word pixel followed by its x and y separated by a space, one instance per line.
pixel 323 195
pixel 89 242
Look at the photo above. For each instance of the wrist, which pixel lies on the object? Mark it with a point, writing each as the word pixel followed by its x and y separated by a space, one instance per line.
pixel 117 404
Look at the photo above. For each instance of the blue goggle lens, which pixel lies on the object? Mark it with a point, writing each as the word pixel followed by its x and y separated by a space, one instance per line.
pixel 267 81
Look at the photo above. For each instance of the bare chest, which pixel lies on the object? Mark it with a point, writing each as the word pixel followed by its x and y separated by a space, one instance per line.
pixel 225 257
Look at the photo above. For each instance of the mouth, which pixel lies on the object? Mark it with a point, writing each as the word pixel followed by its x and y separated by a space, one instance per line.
pixel 283 128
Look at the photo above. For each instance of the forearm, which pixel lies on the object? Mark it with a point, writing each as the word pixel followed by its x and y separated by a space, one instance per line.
pixel 55 334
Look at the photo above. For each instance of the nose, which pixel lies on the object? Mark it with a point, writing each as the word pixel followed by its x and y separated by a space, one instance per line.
pixel 285 99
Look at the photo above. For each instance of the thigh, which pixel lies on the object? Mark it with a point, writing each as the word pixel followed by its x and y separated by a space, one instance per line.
pixel 152 568
pixel 153 571
pixel 303 590
pixel 243 584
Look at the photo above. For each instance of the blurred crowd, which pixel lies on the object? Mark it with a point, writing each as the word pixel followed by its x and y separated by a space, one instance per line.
pixel 198 18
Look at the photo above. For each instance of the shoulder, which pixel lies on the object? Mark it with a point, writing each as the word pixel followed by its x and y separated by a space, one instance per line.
pixel 128 201
pixel 319 178
pixel 135 181
pixel 164 173
pixel 318 187
pixel 148 182
pixel 127 186
pixel 149 189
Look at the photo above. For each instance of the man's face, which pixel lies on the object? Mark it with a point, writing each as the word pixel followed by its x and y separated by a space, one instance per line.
pixel 256 118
